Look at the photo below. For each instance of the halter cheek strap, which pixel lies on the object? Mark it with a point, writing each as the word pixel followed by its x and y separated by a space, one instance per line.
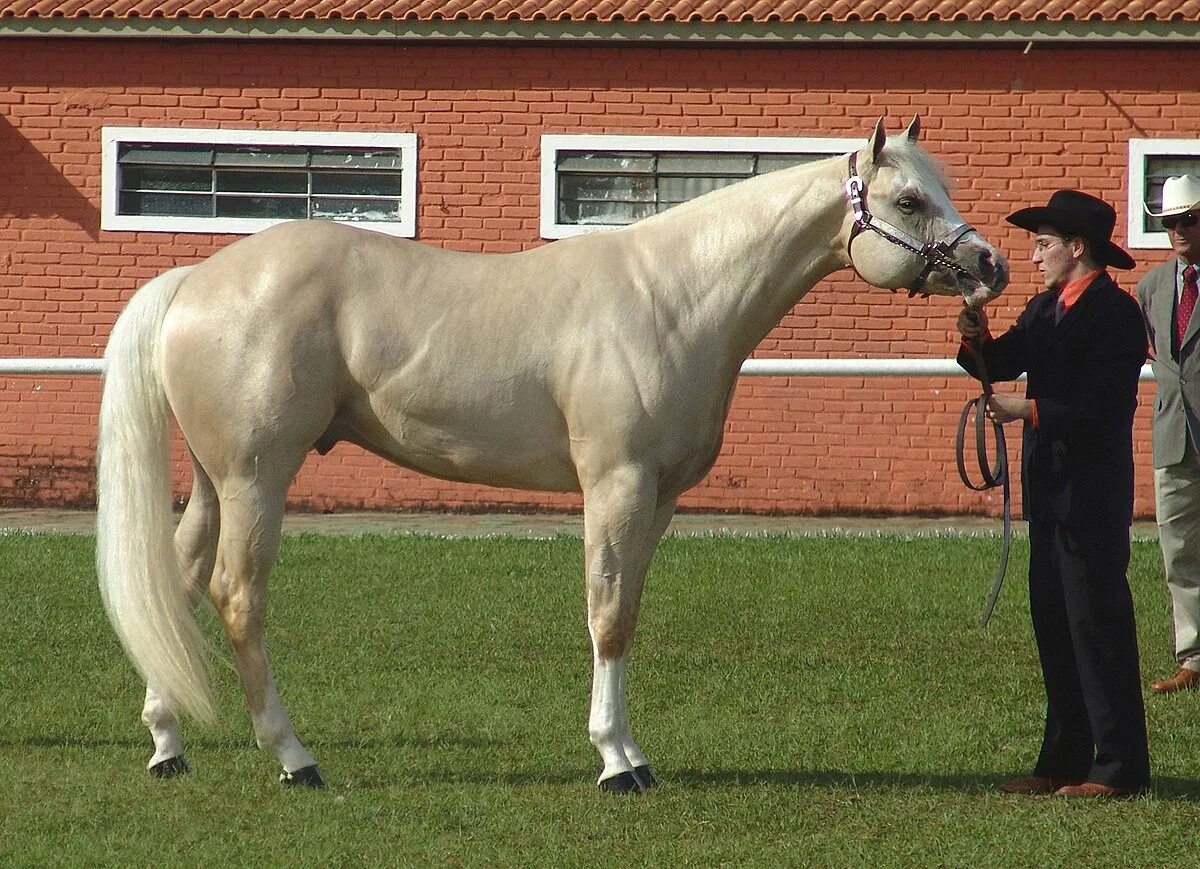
pixel 938 255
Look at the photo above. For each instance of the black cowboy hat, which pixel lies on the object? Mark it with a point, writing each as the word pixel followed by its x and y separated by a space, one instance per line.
pixel 1075 213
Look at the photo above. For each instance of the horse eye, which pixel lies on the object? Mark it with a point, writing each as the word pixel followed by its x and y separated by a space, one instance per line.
pixel 908 204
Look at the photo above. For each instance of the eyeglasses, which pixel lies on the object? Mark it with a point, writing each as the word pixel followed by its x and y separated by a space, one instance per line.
pixel 1041 246
pixel 1186 220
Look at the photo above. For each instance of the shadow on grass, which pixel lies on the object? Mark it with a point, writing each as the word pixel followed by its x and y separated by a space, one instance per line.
pixel 247 742
pixel 1174 789
pixel 1164 788
pixel 70 742
pixel 1187 790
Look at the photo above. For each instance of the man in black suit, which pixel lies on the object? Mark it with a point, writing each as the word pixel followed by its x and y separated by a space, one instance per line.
pixel 1082 344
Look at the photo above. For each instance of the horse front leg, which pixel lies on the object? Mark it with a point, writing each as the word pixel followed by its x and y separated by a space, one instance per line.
pixel 622 527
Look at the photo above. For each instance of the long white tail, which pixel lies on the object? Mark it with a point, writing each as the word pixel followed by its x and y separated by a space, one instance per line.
pixel 141 581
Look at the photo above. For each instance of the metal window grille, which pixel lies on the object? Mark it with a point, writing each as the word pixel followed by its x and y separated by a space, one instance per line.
pixel 1158 169
pixel 616 188
pixel 250 181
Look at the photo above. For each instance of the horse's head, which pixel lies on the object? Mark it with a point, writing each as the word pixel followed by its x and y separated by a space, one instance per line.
pixel 903 231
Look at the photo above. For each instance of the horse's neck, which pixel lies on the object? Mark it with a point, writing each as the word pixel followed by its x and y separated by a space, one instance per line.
pixel 733 266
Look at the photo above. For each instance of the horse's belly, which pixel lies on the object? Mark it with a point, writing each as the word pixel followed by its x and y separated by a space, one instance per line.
pixel 464 465
pixel 488 451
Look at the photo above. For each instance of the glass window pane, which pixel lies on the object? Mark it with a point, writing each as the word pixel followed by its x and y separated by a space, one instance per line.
pixel 165 204
pixel 357 183
pixel 150 152
pixel 604 213
pixel 262 206
pixel 604 162
pixel 348 158
pixel 771 162
pixel 350 208
pixel 164 178
pixel 229 181
pixel 252 156
pixel 706 164
pixel 607 188
pixel 672 191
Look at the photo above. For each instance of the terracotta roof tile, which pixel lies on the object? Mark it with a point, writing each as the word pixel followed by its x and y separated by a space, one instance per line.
pixel 608 11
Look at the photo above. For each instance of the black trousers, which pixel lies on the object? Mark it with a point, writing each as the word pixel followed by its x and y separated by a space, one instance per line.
pixel 1083 622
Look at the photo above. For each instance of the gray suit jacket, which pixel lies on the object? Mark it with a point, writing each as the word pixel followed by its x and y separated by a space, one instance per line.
pixel 1177 402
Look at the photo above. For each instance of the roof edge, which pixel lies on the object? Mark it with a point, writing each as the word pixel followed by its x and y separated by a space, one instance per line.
pixel 682 33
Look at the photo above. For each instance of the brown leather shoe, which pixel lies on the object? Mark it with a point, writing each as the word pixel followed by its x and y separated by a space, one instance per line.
pixel 1033 785
pixel 1095 790
pixel 1184 680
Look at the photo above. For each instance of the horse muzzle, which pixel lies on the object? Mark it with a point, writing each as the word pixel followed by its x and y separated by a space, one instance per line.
pixel 987 275
pixel 972 269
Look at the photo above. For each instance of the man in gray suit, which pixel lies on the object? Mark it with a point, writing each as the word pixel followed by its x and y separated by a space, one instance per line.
pixel 1168 298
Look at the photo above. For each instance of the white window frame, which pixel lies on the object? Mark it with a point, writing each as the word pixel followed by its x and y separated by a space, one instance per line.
pixel 1139 151
pixel 114 137
pixel 552 143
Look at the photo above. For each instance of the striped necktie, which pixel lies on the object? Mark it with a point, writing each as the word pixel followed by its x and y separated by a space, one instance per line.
pixel 1187 303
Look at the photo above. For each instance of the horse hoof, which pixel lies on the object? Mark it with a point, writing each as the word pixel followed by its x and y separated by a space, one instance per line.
pixel 170 767
pixel 305 777
pixel 624 783
pixel 646 776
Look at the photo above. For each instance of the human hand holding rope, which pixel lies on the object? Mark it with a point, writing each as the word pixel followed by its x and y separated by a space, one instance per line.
pixel 973 323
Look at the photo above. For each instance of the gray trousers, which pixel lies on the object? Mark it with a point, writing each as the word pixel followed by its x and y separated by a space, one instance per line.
pixel 1177 505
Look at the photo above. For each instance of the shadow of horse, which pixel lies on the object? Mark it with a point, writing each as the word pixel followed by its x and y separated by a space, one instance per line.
pixel 1164 787
pixel 1167 789
pixel 239 742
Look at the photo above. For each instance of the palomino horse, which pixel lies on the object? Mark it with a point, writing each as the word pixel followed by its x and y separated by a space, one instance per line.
pixel 603 364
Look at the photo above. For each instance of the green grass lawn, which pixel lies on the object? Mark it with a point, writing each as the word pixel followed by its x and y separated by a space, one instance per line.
pixel 823 701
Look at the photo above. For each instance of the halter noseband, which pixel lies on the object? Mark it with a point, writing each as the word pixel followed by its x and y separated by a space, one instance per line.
pixel 937 254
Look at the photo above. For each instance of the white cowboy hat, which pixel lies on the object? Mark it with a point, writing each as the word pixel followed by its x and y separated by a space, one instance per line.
pixel 1180 194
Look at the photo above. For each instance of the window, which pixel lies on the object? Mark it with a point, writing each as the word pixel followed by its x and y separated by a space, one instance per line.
pixel 601 182
pixel 241 181
pixel 1151 162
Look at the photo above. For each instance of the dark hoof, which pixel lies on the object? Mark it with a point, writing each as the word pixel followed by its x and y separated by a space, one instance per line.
pixel 170 767
pixel 305 777
pixel 646 776
pixel 624 783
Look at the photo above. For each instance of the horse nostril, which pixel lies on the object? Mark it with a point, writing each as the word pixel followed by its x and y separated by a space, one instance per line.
pixel 994 268
pixel 987 266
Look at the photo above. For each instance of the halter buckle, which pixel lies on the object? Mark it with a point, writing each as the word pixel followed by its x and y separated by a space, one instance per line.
pixel 854 192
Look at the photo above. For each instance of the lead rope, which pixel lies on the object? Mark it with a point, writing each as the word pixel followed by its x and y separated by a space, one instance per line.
pixel 993 475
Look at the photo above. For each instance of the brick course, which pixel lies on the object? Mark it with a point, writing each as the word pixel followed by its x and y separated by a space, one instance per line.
pixel 1012 127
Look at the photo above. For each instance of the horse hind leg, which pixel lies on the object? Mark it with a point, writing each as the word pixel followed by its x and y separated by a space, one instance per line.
pixel 251 521
pixel 196 548
pixel 623 525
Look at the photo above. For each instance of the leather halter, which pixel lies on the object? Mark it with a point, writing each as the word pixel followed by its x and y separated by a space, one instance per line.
pixel 937 254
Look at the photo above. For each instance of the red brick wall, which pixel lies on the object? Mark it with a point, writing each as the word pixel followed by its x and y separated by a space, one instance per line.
pixel 1012 127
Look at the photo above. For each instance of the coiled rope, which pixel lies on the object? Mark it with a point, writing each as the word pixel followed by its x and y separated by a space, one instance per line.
pixel 994 475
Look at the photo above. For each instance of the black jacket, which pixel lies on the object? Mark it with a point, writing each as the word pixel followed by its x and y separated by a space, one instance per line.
pixel 1077 465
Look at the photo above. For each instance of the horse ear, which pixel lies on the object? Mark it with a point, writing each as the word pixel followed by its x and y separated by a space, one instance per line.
pixel 878 140
pixel 914 129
